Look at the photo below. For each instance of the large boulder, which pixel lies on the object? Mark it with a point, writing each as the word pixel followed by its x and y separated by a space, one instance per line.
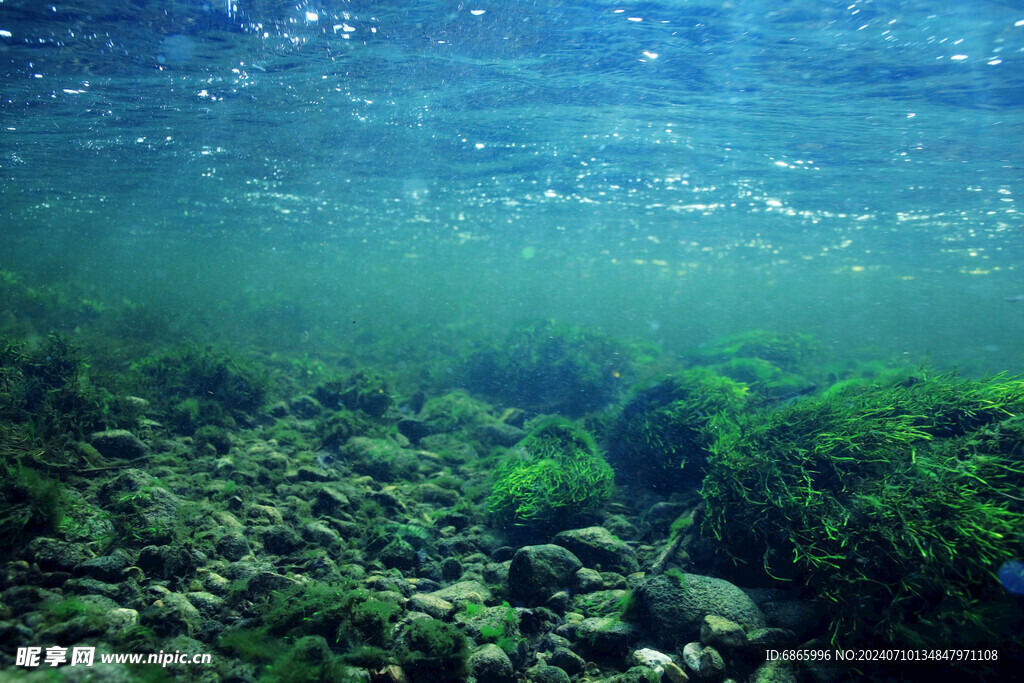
pixel 599 549
pixel 539 571
pixel 673 606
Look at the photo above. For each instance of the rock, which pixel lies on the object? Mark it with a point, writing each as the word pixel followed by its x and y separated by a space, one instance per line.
pixel 543 673
pixel 673 608
pixel 73 630
pixel 53 555
pixel 673 674
pixel 398 554
pixel 18 600
pixel 490 664
pixel 167 562
pixel 107 568
pixel 280 539
pixel 321 535
pixel 604 603
pixel 588 580
pixel 120 620
pixel 766 638
pixel 651 659
pixel 597 548
pixel 217 584
pixel 392 673
pixel 567 660
pixel 539 571
pixel 172 615
pixel 264 583
pixel 499 434
pixel 439 608
pixel 215 437
pixel 721 632
pixel 438 495
pixel 118 443
pixel 307 473
pixel 496 572
pixel 706 662
pixel 464 591
pixel 607 636
pixel 637 674
pixel 451 569
pixel 150 511
pixel 387 500
pixel 264 515
pixel 305 407
pixel 329 502
pixel 414 430
pixel 208 604
pixel 777 671
pixel 233 546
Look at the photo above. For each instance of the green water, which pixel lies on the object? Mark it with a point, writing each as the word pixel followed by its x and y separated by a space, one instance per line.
pixel 389 171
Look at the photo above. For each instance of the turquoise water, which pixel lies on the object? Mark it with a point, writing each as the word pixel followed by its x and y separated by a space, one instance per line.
pixel 667 172
pixel 335 266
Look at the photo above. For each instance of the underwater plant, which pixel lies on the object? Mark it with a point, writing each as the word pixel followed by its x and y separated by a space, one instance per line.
pixel 363 390
pixel 893 504
pixel 548 367
pixel 660 438
pixel 201 385
pixel 434 651
pixel 553 478
pixel 785 351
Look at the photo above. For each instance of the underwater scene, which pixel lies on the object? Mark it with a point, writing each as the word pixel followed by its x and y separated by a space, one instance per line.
pixel 536 340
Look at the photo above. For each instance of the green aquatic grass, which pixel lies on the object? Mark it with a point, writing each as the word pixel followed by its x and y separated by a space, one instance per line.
pixel 554 478
pixel 894 504
pixel 660 438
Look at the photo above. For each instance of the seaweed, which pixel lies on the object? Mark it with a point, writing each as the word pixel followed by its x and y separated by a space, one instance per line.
pixel 554 478
pixel 548 367
pixel 893 504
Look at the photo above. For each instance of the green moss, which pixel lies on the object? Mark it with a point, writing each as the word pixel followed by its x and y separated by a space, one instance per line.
pixel 766 380
pixel 661 437
pixel 309 660
pixel 214 436
pixel 628 607
pixel 252 645
pixel 892 503
pixel 368 657
pixel 679 577
pixel 363 390
pixel 340 426
pixel 71 608
pixel 336 611
pixel 554 478
pixel 549 367
pixel 47 401
pixel 452 411
pixel 203 385
pixel 434 650
pixel 787 351
pixel 31 504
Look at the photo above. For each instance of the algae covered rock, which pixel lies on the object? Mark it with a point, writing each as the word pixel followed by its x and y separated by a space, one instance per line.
pixel 539 571
pixel 118 443
pixel 673 606
pixel 554 478
pixel 490 664
pixel 598 548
